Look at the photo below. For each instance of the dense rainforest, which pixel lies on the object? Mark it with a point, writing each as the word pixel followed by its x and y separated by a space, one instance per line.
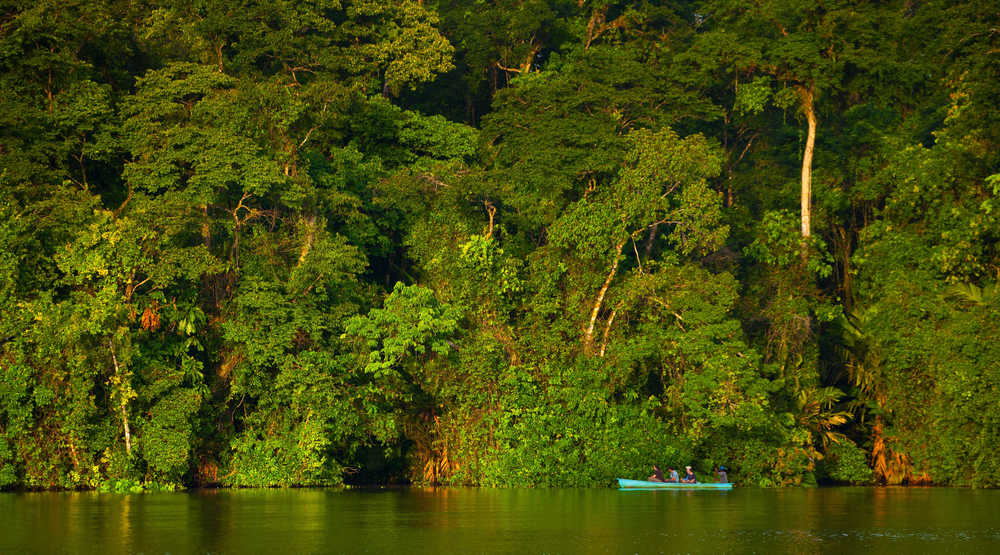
pixel 498 242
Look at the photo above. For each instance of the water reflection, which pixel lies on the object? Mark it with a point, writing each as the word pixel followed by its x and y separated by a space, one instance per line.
pixel 884 520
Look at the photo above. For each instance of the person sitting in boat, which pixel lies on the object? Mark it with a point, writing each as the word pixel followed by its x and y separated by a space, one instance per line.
pixel 721 473
pixel 657 474
pixel 673 475
pixel 689 477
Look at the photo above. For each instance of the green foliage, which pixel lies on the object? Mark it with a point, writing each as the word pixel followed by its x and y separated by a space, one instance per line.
pixel 250 244
pixel 752 97
pixel 845 463
pixel 132 486
pixel 410 323
pixel 579 439
pixel 778 243
pixel 166 439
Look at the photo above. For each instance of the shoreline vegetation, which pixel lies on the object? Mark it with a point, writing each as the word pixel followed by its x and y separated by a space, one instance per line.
pixel 542 243
pixel 126 486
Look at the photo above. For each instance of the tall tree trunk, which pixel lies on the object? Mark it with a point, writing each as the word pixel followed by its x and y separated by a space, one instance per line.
pixel 807 96
pixel 588 336
pixel 607 329
pixel 128 435
pixel 309 223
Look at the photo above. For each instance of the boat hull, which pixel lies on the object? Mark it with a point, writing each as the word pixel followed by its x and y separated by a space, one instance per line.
pixel 642 484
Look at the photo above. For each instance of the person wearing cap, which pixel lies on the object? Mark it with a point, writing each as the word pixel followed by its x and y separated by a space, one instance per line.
pixel 673 475
pixel 721 473
pixel 689 477
pixel 657 474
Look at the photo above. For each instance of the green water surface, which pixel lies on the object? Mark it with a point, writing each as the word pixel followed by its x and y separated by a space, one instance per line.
pixel 461 520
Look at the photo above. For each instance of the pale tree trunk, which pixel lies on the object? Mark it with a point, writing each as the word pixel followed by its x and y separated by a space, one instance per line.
pixel 526 67
pixel 309 223
pixel 492 212
pixel 588 336
pixel 807 96
pixel 218 55
pixel 607 329
pixel 128 435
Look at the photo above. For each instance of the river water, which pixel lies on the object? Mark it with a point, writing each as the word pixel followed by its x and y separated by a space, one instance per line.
pixel 466 520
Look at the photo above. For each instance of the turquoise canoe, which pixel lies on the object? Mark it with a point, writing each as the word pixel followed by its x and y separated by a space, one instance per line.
pixel 642 484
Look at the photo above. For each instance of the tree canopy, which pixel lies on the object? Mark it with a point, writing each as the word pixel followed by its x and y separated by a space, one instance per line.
pixel 506 243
